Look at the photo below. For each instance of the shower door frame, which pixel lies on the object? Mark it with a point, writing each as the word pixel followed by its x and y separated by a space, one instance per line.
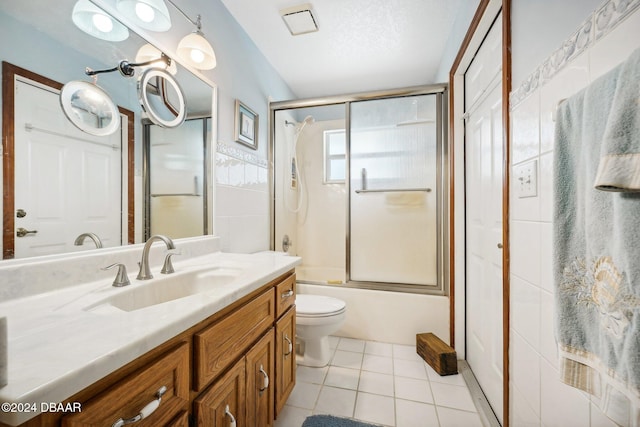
pixel 442 193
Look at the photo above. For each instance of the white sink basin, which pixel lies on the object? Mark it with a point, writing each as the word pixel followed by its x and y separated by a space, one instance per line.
pixel 156 291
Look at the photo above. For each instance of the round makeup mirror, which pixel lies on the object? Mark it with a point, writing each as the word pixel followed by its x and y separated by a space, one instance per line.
pixel 161 98
pixel 89 108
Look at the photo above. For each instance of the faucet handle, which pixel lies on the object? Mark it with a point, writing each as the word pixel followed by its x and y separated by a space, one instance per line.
pixel 121 277
pixel 167 267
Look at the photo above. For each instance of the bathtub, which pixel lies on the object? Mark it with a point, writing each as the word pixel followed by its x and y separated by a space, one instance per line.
pixel 393 317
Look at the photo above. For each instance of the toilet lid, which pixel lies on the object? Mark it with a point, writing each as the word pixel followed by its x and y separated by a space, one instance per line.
pixel 318 305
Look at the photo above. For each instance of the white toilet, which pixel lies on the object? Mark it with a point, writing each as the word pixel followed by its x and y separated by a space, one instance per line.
pixel 317 317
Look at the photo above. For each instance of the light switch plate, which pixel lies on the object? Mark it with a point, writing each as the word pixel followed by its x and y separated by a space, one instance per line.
pixel 526 179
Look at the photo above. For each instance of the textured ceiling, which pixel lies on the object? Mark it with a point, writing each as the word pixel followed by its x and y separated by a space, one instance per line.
pixel 362 45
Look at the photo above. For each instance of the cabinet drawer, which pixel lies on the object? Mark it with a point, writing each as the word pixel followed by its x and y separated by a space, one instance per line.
pixel 285 295
pixel 220 344
pixel 126 398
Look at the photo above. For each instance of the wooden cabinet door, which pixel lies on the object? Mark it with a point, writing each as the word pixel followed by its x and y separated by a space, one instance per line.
pixel 224 401
pixel 260 370
pixel 125 399
pixel 285 357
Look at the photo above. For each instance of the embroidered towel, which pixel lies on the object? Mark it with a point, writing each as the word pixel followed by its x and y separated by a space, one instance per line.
pixel 597 255
pixel 619 167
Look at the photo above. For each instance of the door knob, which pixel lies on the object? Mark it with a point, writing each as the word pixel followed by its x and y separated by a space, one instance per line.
pixel 499 245
pixel 21 232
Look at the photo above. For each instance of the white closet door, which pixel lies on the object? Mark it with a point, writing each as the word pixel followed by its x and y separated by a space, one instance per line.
pixel 484 174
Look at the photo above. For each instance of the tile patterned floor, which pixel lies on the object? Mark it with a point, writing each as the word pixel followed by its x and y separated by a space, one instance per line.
pixel 379 383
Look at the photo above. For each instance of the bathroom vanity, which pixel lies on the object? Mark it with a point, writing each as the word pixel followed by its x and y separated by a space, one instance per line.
pixel 220 354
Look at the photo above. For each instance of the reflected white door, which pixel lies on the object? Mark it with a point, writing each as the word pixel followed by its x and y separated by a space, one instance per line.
pixel 484 174
pixel 66 182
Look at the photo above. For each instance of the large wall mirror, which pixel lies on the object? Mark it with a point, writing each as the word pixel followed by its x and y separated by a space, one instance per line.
pixel 65 190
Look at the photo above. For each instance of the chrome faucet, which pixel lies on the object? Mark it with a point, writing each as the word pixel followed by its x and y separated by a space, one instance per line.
pixel 145 271
pixel 80 239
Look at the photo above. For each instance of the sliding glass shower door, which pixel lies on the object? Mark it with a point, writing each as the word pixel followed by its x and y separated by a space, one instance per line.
pixel 394 181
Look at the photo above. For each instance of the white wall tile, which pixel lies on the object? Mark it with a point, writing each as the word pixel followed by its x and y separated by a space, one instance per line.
pixel 548 345
pixel 522 413
pixel 236 172
pixel 615 47
pixel 525 129
pixel 546 187
pixel 561 405
pixel 567 82
pixel 525 250
pixel 250 175
pixel 546 257
pixel 525 371
pixel 222 169
pixel 525 309
pixel 598 419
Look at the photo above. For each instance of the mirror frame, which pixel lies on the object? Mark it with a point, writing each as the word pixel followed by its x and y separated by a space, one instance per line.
pixel 9 73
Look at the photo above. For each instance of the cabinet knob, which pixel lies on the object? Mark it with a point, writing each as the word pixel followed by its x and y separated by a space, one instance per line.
pixel 287 294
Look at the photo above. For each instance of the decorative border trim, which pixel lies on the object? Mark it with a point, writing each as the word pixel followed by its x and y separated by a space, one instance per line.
pixel 237 153
pixel 597 25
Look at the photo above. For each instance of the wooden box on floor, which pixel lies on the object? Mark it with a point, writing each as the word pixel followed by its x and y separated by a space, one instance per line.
pixel 440 356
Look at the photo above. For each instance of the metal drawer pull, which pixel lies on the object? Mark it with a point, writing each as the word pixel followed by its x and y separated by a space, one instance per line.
pixel 228 413
pixel 290 345
pixel 144 412
pixel 265 381
pixel 287 294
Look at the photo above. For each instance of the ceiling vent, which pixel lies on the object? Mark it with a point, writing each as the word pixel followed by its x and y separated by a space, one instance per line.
pixel 299 19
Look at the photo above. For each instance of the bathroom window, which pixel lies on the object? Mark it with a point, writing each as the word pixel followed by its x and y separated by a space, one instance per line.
pixel 334 156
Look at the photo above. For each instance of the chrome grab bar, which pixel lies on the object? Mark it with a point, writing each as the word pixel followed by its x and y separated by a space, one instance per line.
pixel 392 190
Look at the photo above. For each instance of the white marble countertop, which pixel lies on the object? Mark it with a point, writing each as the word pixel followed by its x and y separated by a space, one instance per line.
pixel 56 347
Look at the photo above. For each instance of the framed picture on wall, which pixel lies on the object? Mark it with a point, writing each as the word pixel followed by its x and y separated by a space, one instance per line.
pixel 246 127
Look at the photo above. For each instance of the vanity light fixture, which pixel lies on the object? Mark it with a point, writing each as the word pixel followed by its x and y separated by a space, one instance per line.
pixel 299 19
pixel 149 53
pixel 149 14
pixel 194 49
pixel 97 23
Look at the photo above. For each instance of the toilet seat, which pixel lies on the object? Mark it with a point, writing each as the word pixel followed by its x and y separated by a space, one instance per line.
pixel 318 306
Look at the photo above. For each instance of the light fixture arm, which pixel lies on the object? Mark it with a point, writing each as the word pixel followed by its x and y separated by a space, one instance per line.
pixel 126 68
pixel 196 22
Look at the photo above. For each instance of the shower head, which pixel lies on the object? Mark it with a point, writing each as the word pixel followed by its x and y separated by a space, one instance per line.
pixel 309 120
